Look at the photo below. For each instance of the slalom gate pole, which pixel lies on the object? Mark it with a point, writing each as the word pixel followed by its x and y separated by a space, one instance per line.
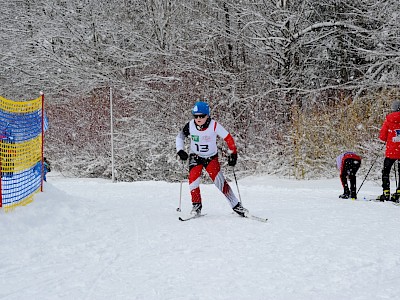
pixel 42 150
pixel 371 168
pixel 237 186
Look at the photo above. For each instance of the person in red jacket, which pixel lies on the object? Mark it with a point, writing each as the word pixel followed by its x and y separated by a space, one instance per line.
pixel 203 132
pixel 390 133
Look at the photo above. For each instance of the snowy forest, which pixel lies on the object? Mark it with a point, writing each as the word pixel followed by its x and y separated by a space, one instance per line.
pixel 295 82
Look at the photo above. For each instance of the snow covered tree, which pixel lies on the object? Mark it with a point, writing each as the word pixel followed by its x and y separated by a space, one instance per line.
pixel 258 64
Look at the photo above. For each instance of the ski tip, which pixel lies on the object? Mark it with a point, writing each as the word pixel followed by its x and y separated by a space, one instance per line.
pixel 191 217
pixel 260 219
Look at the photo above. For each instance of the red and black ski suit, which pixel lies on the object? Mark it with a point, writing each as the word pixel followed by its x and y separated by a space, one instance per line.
pixel 390 133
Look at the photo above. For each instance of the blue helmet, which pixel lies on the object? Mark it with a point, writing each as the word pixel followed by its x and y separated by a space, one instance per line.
pixel 201 108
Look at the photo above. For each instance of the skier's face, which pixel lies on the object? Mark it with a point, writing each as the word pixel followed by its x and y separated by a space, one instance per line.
pixel 200 119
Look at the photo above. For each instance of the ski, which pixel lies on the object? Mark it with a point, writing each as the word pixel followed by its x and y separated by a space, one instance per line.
pixel 362 199
pixel 249 216
pixel 377 200
pixel 252 217
pixel 372 199
pixel 369 200
pixel 191 217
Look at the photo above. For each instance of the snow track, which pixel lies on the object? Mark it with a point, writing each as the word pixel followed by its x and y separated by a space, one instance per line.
pixel 92 239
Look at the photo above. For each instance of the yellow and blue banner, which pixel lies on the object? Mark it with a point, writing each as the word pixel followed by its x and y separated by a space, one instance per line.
pixel 22 126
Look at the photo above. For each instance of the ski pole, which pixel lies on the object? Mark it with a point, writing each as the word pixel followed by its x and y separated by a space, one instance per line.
pixel 397 174
pixel 237 186
pixel 180 197
pixel 370 168
pixel 180 190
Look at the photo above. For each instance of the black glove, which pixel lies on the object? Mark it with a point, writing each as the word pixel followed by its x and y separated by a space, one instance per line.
pixel 182 155
pixel 232 158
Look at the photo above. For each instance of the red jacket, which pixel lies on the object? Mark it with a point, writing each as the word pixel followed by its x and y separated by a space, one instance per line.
pixel 390 133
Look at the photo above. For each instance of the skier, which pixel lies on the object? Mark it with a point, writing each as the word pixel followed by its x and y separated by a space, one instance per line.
pixel 348 164
pixel 390 134
pixel 46 168
pixel 203 132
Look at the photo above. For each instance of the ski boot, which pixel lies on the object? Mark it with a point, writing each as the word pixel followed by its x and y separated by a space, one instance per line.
pixel 395 196
pixel 240 210
pixel 346 193
pixel 353 195
pixel 344 196
pixel 385 196
pixel 196 209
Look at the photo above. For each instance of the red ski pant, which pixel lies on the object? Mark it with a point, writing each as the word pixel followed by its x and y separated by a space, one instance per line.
pixel 213 168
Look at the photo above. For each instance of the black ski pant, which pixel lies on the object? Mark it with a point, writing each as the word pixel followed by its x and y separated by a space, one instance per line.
pixel 387 166
pixel 349 171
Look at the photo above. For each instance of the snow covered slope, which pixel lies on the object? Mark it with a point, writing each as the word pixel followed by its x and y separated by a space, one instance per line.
pixel 92 239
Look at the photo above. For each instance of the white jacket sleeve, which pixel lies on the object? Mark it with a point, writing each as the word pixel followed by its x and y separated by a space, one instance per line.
pixel 180 141
pixel 180 138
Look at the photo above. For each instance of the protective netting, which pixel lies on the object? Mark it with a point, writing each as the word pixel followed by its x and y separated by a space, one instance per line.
pixel 21 150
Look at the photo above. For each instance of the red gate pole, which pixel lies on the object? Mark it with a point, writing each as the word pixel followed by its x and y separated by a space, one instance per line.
pixel 1 189
pixel 42 150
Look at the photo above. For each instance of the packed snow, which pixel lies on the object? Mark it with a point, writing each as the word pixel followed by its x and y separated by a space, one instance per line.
pixel 94 239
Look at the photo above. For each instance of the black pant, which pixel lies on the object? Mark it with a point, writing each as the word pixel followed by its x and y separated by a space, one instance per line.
pixel 195 160
pixel 387 166
pixel 349 171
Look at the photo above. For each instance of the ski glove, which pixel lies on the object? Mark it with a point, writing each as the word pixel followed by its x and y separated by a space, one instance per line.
pixel 182 155
pixel 232 158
